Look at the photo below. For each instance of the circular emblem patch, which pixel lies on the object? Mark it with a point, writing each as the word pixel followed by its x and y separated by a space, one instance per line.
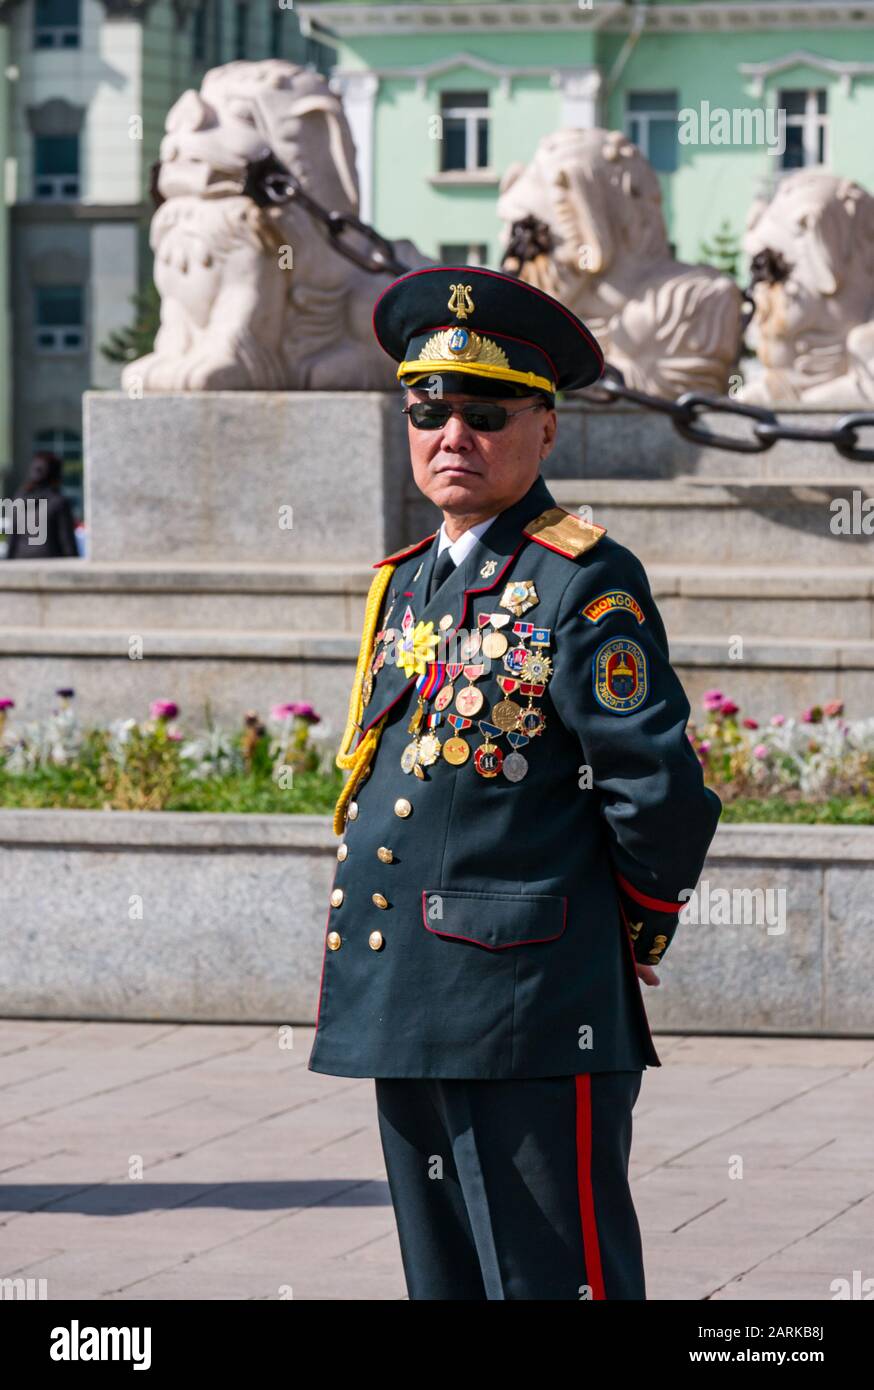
pixel 619 676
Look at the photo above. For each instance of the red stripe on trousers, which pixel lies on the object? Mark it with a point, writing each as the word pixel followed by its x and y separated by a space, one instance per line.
pixel 591 1249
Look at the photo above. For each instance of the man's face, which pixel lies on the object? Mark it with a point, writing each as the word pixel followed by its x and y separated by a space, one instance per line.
pixel 467 472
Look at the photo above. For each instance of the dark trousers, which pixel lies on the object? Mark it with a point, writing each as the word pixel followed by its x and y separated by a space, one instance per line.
pixel 513 1189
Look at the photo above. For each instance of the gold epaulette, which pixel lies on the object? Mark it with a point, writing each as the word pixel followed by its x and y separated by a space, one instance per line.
pixel 403 554
pixel 564 532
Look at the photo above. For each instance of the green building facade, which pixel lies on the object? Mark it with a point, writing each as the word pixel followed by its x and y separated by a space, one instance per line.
pixel 442 98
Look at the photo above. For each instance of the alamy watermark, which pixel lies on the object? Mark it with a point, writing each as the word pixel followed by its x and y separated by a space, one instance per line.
pixel 716 125
pixel 24 516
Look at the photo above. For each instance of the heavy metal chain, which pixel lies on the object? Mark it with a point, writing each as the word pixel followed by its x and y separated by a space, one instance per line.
pixel 765 430
pixel 269 182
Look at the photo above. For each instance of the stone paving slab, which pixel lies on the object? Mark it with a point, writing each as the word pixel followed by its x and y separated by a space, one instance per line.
pixel 752 1166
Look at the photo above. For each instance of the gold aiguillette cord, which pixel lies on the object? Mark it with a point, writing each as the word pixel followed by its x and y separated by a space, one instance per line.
pixel 358 762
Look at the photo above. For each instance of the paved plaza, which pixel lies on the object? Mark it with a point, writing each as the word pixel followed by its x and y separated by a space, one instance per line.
pixel 183 1161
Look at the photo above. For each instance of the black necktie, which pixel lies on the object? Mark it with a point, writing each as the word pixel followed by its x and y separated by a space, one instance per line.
pixel 441 571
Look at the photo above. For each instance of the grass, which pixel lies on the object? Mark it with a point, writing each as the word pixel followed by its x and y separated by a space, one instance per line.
pixel 245 793
pixel 312 793
pixel 837 810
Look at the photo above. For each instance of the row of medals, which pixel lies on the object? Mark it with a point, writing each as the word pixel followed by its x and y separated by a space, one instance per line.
pixel 528 668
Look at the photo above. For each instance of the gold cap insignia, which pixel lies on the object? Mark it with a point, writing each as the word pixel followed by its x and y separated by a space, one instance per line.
pixel 459 345
pixel 461 301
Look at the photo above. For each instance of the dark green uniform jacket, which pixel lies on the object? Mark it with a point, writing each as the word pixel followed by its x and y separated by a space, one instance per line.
pixel 483 926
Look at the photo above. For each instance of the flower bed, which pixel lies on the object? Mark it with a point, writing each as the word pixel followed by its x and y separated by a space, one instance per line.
pixel 817 768
pixel 273 767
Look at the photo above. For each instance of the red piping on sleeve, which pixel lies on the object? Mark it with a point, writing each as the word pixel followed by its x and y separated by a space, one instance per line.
pixel 657 904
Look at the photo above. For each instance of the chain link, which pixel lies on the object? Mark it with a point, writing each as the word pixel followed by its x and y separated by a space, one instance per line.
pixel 766 430
pixel 268 182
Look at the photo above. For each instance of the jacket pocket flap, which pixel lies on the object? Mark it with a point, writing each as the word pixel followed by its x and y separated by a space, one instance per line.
pixel 494 920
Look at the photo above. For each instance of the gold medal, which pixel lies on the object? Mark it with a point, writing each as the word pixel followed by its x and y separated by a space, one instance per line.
pixel 456 750
pixel 506 714
pixel 444 696
pixel 494 644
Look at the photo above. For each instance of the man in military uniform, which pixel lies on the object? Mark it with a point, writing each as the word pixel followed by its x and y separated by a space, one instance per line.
pixel 522 814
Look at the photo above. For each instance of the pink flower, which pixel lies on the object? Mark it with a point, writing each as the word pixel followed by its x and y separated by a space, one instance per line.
pixel 812 715
pixel 777 720
pixel 174 734
pixel 712 699
pixel 750 723
pixel 7 704
pixel 728 707
pixel 163 709
pixel 296 709
pixel 833 709
pixel 704 745
pixel 304 711
pixel 760 751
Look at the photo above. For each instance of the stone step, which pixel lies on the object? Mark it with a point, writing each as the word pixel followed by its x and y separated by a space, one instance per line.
pixel 129 598
pixel 747 522
pixel 232 672
pixel 68 595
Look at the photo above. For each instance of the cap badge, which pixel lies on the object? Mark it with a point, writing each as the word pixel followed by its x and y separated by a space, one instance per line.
pixel 446 346
pixel 461 300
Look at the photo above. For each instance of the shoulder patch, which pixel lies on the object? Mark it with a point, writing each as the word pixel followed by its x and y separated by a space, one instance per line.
pixel 609 602
pixel 563 532
pixel 620 679
pixel 405 553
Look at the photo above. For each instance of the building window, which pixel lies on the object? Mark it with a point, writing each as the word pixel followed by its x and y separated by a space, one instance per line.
pixel 806 126
pixel 59 318
pixel 651 123
pixel 198 33
pixel 56 168
pixel 56 24
pixel 465 143
pixel 241 29
pixel 463 253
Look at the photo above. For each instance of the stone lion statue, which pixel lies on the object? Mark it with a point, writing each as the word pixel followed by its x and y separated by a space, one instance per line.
pixel 812 251
pixel 583 221
pixel 255 297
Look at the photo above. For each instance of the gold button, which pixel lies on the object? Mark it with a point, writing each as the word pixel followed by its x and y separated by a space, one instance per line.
pixel 403 807
pixel 342 851
pixel 379 900
pixel 445 622
pixel 374 941
pixel 336 897
pixel 384 854
pixel 334 940
pixel 352 811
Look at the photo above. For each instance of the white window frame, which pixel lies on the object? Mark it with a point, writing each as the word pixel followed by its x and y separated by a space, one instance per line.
pixel 471 115
pixel 643 118
pixel 811 121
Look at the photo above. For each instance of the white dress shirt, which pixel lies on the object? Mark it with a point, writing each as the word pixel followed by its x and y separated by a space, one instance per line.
pixel 460 549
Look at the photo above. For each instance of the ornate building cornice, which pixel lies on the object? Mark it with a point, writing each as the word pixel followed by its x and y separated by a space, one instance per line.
pixel 359 21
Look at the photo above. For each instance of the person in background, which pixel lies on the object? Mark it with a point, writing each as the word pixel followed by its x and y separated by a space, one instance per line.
pixel 56 538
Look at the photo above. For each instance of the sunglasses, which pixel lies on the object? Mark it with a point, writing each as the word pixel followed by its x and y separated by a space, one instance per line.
pixel 484 416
